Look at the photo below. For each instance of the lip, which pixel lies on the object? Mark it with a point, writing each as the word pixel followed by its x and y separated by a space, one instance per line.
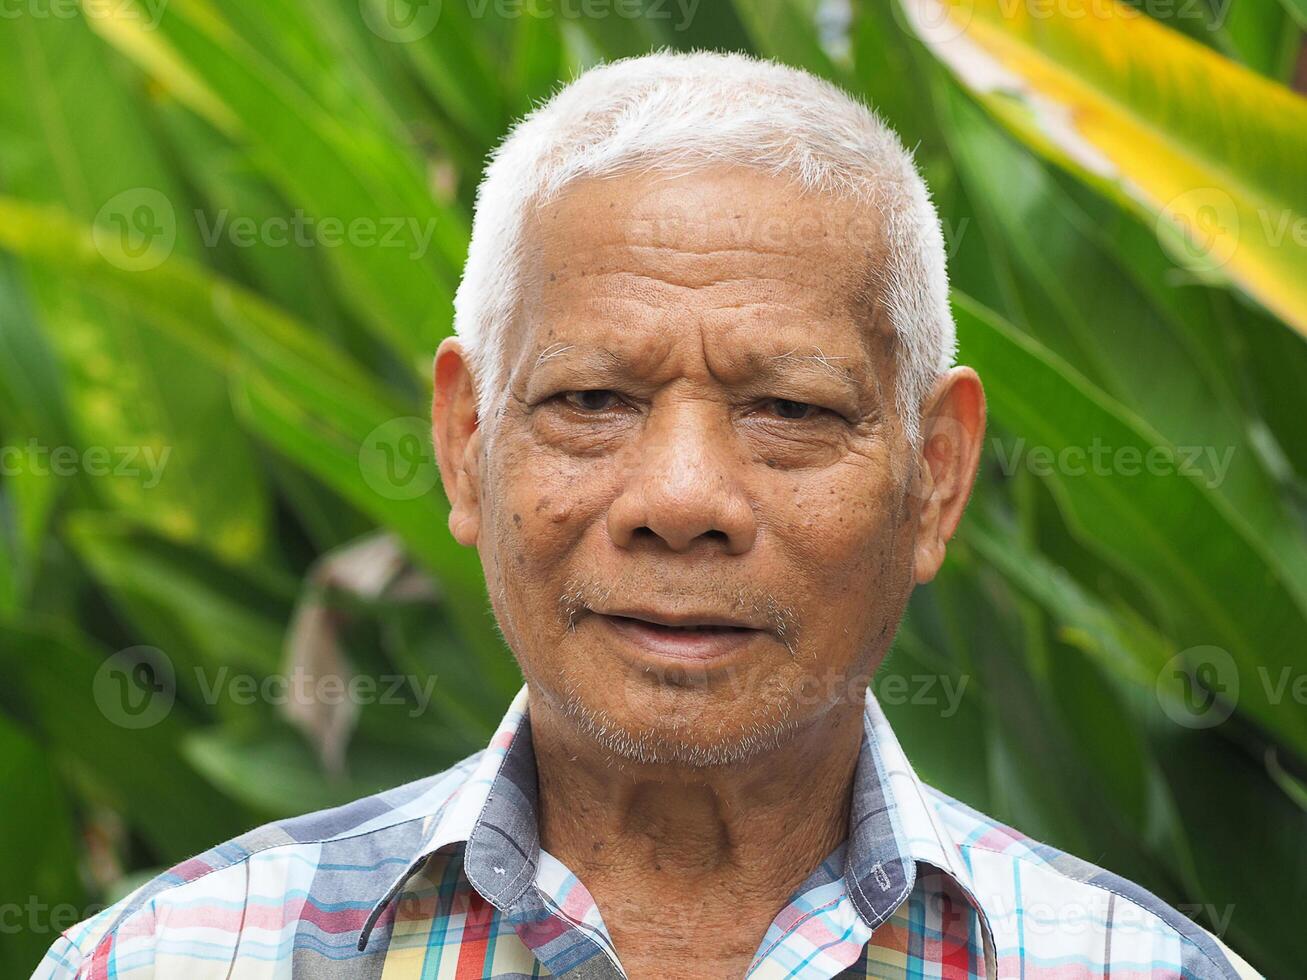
pixel 655 640
pixel 681 619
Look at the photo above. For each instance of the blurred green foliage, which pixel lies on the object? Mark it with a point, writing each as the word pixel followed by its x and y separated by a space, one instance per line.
pixel 231 231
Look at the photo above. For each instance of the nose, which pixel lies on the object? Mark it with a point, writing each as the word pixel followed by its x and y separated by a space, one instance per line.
pixel 686 484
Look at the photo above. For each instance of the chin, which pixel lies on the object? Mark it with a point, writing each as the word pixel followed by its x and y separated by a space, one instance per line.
pixel 686 728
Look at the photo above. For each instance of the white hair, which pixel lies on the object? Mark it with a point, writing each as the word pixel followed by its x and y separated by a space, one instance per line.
pixel 681 112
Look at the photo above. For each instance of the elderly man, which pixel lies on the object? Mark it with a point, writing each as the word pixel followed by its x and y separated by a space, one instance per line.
pixel 701 425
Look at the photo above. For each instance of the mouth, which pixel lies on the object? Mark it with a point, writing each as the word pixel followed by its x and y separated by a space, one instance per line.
pixel 685 639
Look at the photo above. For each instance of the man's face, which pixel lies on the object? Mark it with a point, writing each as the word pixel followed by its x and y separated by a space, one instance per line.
pixel 699 425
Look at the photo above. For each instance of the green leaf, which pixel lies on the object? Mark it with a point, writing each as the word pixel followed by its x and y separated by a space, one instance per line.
pixel 1256 33
pixel 441 42
pixel 946 741
pixel 383 462
pixel 1238 805
pixel 1187 549
pixel 273 772
pixel 289 270
pixel 1213 154
pixel 784 30
pixel 1298 10
pixel 1117 639
pixel 157 424
pixel 395 249
pixel 1277 361
pixel 214 319
pixel 38 856
pixel 63 689
pixel 31 414
pixel 1161 367
pixel 303 398
pixel 182 600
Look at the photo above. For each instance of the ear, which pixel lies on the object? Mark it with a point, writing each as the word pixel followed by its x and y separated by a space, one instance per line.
pixel 457 436
pixel 952 433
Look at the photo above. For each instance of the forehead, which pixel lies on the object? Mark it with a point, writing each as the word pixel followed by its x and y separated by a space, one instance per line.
pixel 744 261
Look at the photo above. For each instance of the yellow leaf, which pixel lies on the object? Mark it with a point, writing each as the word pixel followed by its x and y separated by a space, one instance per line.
pixel 1214 154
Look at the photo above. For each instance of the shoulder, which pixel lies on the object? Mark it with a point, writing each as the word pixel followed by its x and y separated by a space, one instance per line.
pixel 361 845
pixel 1046 904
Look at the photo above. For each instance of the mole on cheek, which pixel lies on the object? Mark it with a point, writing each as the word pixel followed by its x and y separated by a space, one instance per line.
pixel 555 513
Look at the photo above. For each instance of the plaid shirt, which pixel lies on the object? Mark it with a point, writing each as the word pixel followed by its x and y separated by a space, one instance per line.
pixel 445 878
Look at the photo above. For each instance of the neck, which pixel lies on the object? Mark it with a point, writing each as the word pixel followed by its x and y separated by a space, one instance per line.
pixel 653 831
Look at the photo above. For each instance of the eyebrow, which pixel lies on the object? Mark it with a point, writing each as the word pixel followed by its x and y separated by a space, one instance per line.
pixel 771 365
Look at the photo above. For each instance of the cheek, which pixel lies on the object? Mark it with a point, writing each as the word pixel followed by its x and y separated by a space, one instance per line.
pixel 541 505
pixel 849 546
pixel 835 529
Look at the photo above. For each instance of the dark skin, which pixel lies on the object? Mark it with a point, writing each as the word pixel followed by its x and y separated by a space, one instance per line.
pixel 699 417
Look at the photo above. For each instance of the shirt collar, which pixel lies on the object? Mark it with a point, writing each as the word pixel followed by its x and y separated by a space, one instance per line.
pixel 885 778
pixel 892 825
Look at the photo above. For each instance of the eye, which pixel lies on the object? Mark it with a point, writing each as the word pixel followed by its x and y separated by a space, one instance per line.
pixel 794 411
pixel 590 400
